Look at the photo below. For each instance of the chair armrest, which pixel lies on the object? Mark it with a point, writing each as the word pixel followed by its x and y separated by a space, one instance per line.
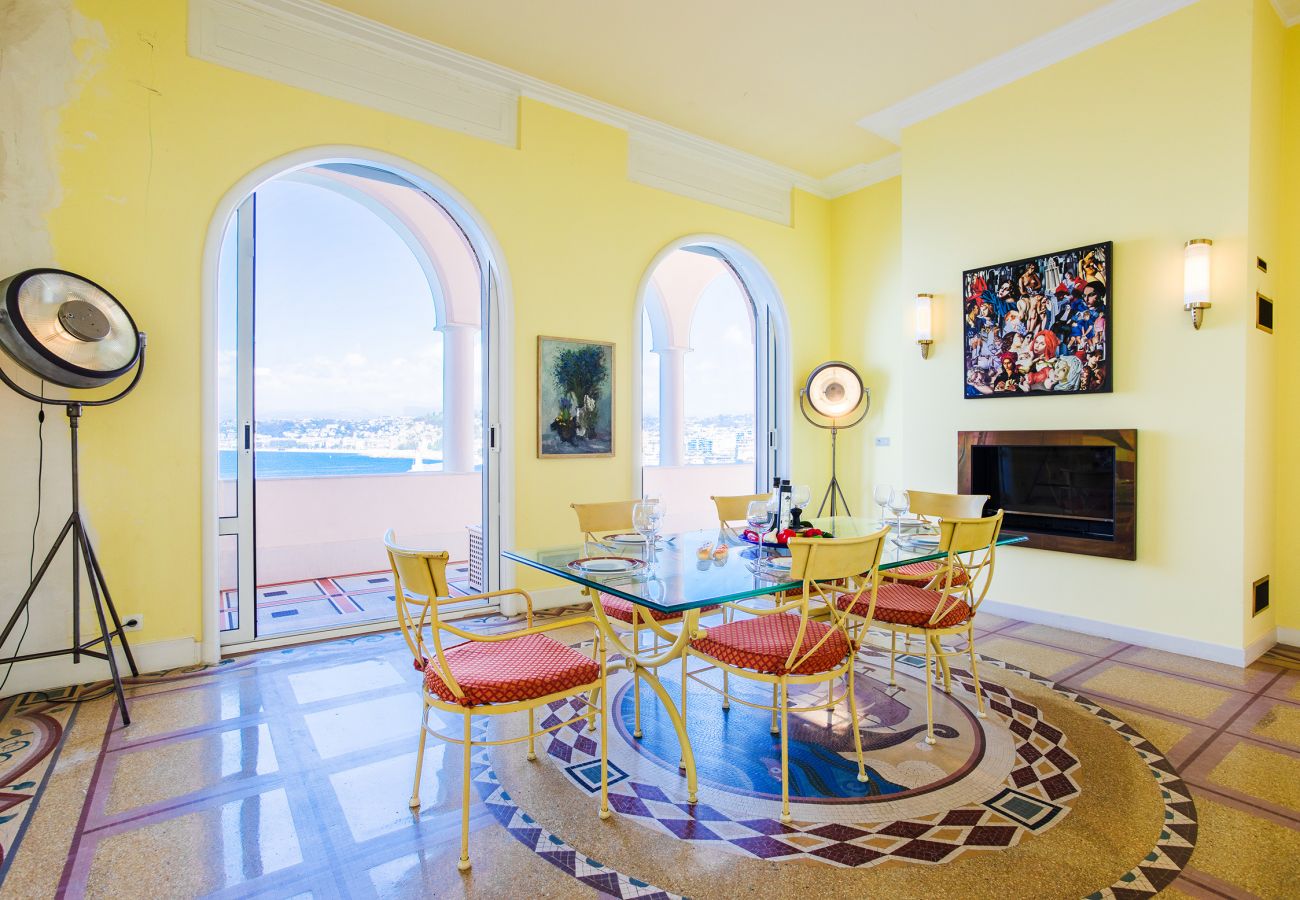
pixel 519 632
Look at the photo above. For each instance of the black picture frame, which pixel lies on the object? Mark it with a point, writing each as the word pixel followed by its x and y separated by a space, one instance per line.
pixel 1040 326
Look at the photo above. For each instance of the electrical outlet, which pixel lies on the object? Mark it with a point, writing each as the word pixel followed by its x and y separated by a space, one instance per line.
pixel 882 442
pixel 133 622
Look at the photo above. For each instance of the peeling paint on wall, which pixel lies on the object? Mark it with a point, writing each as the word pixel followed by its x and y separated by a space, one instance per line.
pixel 46 52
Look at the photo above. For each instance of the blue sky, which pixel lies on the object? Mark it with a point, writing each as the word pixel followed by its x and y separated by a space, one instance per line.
pixel 345 320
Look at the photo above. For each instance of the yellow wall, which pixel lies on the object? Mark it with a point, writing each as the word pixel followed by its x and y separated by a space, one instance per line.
pixel 1144 140
pixel 1259 435
pixel 866 269
pixel 1149 139
pixel 1286 576
pixel 154 140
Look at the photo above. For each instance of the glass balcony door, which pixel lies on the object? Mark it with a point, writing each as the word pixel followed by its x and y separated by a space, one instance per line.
pixel 237 578
pixel 356 392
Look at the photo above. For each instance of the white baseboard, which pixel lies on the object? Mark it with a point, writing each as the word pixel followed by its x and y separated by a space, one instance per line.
pixel 1259 647
pixel 1288 636
pixel 59 671
pixel 1233 656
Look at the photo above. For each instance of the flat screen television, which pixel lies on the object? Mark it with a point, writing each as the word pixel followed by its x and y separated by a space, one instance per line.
pixel 1073 491
pixel 1049 490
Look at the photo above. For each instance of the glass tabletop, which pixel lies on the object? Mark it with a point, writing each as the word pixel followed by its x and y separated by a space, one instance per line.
pixel 673 579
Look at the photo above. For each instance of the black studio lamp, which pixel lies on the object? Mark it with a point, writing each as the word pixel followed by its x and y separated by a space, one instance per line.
pixel 835 393
pixel 69 331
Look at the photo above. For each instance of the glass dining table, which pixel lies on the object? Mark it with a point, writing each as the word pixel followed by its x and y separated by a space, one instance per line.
pixel 673 579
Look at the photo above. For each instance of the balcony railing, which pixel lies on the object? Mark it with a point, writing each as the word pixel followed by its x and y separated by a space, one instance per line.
pixel 310 527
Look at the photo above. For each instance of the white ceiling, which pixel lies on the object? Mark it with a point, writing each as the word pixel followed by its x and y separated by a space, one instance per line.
pixel 780 81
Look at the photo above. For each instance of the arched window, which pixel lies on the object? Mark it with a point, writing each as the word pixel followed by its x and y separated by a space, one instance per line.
pixel 712 357
pixel 354 334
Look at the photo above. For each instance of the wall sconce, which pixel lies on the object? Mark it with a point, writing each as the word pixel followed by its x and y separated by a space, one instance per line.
pixel 924 323
pixel 1196 278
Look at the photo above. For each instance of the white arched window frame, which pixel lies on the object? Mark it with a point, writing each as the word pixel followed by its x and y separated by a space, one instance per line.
pixel 496 311
pixel 773 372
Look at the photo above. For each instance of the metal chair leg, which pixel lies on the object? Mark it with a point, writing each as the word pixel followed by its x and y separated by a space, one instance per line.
pixel 943 663
pixel 929 696
pixel 532 750
pixel 419 757
pixel 463 864
pixel 853 723
pixel 785 760
pixel 636 702
pixel 681 762
pixel 775 728
pixel 893 655
pixel 604 734
pixel 975 675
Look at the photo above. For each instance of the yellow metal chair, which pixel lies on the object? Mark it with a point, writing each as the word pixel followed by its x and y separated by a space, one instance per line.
pixel 596 521
pixel 735 508
pixel 784 645
pixel 945 606
pixel 933 508
pixel 489 674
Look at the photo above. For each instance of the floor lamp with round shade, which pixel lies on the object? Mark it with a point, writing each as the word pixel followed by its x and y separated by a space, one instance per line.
pixel 835 393
pixel 69 331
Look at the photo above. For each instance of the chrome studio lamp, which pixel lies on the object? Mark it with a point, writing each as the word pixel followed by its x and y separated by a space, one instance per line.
pixel 835 393
pixel 70 332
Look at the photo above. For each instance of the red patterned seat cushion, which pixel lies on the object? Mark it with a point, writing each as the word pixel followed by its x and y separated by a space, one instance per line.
pixel 618 608
pixel 922 572
pixel 522 668
pixel 906 604
pixel 764 643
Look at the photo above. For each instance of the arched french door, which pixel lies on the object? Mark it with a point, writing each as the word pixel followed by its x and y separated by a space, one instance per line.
pixel 359 336
pixel 713 382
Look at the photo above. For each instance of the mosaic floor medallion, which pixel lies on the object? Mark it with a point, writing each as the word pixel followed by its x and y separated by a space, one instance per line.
pixel 986 785
pixel 983 784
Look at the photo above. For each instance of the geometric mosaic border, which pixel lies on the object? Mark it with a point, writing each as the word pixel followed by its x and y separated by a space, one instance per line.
pixel 1169 856
pixel 549 847
pixel 1032 798
pixel 1177 838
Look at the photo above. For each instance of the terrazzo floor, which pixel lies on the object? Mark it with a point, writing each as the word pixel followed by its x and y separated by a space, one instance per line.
pixel 327 602
pixel 286 772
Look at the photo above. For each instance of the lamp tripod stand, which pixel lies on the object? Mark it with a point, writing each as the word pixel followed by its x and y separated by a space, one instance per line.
pixel 835 392
pixel 83 552
pixel 833 489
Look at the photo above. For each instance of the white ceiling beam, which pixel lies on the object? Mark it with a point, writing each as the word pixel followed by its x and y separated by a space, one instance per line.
pixel 1087 31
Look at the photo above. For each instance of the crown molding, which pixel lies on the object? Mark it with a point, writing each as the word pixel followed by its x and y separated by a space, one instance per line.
pixel 320 48
pixel 1288 11
pixel 863 175
pixel 1085 32
pixel 316 47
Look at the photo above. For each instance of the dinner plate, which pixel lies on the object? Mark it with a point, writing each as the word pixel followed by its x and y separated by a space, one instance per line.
pixel 631 538
pixel 778 563
pixel 606 565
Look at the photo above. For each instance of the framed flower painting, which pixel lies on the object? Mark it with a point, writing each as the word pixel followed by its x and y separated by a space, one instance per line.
pixel 575 398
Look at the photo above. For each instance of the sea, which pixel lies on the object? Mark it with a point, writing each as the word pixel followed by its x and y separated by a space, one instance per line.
pixel 311 464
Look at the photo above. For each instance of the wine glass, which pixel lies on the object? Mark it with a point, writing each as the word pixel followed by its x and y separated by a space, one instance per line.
pixel 759 515
pixel 647 519
pixel 882 495
pixel 900 502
